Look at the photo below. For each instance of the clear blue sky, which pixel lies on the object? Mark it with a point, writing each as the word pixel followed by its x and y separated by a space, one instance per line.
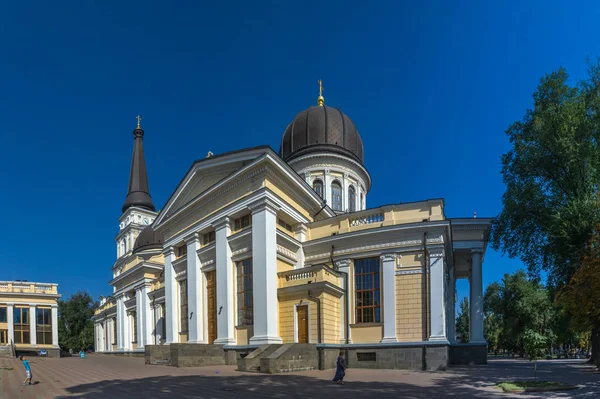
pixel 431 87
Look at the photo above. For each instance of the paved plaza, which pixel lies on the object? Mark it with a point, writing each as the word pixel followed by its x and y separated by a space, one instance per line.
pixel 102 376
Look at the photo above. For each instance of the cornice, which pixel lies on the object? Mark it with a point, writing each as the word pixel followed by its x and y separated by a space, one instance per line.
pixel 264 204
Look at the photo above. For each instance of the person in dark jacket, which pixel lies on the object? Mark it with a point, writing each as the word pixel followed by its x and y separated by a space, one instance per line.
pixel 340 368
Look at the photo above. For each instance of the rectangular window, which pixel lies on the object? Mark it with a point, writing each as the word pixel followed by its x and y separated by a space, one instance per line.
pixel 366 356
pixel 367 289
pixel 283 224
pixel 181 251
pixel 21 325
pixel 3 336
pixel 114 337
pixel 183 304
pixel 242 222
pixel 43 326
pixel 3 314
pixel 134 326
pixel 209 237
pixel 245 301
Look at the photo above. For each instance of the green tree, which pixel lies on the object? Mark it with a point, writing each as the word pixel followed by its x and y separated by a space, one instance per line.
pixel 552 172
pixel 75 326
pixel 534 344
pixel 515 305
pixel 462 321
pixel 492 328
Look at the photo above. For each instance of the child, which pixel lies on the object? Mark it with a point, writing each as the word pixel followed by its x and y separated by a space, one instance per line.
pixel 27 370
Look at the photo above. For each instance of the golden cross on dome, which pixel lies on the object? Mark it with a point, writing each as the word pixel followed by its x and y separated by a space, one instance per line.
pixel 139 118
pixel 320 82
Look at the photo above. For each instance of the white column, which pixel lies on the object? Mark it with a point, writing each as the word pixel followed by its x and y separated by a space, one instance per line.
pixel 139 314
pixel 344 267
pixel 436 290
pixel 300 231
pixel 54 312
pixel 32 329
pixel 345 184
pixel 195 284
pixel 224 266
pixel 264 273
pixel 148 317
pixel 452 306
pixel 10 318
pixel 327 188
pixel 476 302
pixel 388 265
pixel 171 312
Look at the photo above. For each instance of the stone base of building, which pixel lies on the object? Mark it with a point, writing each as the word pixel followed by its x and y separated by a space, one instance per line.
pixel 405 356
pixel 135 353
pixel 194 355
pixel 34 352
pixel 468 354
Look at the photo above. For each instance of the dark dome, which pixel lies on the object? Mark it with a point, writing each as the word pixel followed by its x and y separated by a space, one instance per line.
pixel 148 239
pixel 321 128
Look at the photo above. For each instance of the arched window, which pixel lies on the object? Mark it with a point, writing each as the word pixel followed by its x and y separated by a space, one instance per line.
pixel 351 199
pixel 336 196
pixel 318 187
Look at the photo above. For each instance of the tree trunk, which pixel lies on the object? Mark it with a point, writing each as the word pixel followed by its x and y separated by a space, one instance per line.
pixel 595 359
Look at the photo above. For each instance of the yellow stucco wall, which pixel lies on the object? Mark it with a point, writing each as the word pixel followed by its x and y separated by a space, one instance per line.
pixel 283 266
pixel 4 299
pixel 367 333
pixel 271 185
pixel 409 307
pixel 330 318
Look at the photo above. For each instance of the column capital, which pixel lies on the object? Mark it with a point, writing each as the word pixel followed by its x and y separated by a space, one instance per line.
pixel 346 175
pixel 169 251
pixel 389 257
pixel 476 251
pixel 343 263
pixel 436 252
pixel 300 228
pixel 264 204
pixel 192 238
pixel 327 172
pixel 222 222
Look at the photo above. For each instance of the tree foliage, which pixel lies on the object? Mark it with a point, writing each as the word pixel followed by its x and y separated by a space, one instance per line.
pixel 552 175
pixel 75 326
pixel 462 321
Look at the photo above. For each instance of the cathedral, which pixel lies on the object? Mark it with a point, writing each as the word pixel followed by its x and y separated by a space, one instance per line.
pixel 272 261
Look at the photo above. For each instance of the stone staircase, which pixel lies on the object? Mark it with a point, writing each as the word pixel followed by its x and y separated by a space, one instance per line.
pixel 7 351
pixel 251 362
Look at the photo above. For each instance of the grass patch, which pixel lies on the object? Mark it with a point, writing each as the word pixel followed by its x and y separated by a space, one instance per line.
pixel 533 386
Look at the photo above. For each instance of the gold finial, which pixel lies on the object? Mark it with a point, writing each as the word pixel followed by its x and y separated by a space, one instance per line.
pixel 320 99
pixel 474 215
pixel 139 119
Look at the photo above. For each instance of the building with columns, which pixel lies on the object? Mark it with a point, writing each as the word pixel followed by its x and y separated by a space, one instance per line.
pixel 29 317
pixel 264 258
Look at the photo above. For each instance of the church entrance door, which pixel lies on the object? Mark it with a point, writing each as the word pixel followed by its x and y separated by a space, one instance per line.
pixel 302 323
pixel 211 298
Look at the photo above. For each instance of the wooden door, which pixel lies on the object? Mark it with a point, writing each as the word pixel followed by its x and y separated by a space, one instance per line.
pixel 302 315
pixel 211 298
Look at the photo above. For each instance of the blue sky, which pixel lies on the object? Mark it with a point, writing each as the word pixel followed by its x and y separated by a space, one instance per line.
pixel 431 87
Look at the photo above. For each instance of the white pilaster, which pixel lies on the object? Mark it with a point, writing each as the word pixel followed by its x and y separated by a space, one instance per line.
pixel 436 290
pixel 140 316
pixel 264 273
pixel 224 266
pixel 10 318
pixel 388 265
pixel 345 185
pixel 344 267
pixel 120 323
pixel 300 232
pixel 54 312
pixel 476 302
pixel 327 188
pixel 195 284
pixel 32 326
pixel 148 319
pixel 452 306
pixel 171 312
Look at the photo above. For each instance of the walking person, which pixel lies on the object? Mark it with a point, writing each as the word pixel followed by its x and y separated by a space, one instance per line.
pixel 340 369
pixel 27 370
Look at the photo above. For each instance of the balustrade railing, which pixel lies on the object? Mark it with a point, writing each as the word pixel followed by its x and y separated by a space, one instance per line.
pixel 368 219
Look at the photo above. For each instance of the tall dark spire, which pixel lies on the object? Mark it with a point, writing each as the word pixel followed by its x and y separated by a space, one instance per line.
pixel 139 192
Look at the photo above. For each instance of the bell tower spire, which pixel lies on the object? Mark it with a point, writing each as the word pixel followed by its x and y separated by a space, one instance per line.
pixel 139 192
